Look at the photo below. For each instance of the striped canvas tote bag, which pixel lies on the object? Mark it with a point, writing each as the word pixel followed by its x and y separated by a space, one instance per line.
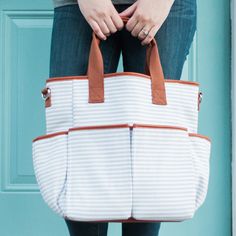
pixel 122 147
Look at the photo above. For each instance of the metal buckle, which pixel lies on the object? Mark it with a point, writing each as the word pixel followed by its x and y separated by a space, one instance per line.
pixel 46 93
pixel 200 95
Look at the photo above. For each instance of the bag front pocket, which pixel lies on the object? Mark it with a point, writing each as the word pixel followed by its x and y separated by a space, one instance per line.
pixel 164 177
pixel 201 150
pixel 50 162
pixel 112 172
pixel 99 180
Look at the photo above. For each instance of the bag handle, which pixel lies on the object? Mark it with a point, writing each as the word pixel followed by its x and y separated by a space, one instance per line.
pixel 153 68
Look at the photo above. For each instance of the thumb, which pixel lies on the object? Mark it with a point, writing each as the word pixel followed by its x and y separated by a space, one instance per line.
pixel 129 11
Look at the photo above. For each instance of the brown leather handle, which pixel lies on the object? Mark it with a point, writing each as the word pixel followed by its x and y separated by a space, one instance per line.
pixel 153 68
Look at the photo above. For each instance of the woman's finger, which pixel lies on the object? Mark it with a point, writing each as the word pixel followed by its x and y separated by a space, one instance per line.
pixel 131 23
pixel 118 22
pixel 144 31
pixel 103 27
pixel 95 27
pixel 129 11
pixel 137 28
pixel 150 35
pixel 110 25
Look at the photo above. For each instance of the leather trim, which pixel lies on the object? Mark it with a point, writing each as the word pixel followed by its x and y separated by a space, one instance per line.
pixel 49 135
pixel 110 75
pixel 109 127
pixel 200 136
pixel 100 127
pixel 121 126
pixel 129 220
pixel 159 126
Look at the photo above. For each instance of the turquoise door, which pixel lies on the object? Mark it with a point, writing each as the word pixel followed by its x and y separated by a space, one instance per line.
pixel 24 64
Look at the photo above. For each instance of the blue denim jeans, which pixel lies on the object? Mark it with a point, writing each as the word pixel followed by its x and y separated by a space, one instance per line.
pixel 70 44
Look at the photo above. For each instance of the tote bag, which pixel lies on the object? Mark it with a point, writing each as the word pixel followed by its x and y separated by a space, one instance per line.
pixel 123 146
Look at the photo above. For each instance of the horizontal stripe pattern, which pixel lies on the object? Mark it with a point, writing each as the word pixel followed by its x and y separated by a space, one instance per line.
pixel 127 100
pixel 50 163
pixel 59 116
pixel 99 176
pixel 147 173
pixel 111 174
pixel 201 151
pixel 162 189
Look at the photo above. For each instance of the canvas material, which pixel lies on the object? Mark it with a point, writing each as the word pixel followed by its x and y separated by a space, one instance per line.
pixel 164 176
pixel 201 149
pixel 146 173
pixel 50 162
pixel 99 181
pixel 127 100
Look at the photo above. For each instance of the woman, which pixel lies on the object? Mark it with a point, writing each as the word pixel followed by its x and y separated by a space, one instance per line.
pixel 172 23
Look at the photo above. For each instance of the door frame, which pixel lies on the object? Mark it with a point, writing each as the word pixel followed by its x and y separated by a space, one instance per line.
pixel 233 112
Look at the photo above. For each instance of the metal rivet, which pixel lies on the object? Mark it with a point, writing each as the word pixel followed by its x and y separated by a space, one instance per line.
pixel 200 97
pixel 46 93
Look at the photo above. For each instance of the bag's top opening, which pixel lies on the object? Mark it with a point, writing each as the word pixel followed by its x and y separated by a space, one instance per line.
pixel 125 73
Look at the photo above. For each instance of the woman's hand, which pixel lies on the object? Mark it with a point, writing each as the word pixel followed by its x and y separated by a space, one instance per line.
pixel 101 16
pixel 147 16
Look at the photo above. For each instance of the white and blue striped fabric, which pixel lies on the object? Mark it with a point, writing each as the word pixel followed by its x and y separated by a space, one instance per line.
pixel 201 148
pixel 50 163
pixel 164 176
pixel 113 173
pixel 126 159
pixel 127 100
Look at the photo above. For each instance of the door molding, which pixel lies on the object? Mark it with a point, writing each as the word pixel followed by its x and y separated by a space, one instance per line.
pixel 233 102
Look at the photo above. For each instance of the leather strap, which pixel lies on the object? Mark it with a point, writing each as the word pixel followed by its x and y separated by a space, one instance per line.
pixel 95 72
pixel 153 68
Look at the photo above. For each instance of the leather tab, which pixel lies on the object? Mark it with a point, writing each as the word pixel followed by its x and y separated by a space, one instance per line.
pixel 48 102
pixel 46 95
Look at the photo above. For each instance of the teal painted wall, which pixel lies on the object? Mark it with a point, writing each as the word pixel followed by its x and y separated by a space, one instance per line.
pixel 25 31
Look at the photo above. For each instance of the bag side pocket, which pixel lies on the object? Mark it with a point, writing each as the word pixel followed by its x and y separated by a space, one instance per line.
pixel 201 148
pixel 50 164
